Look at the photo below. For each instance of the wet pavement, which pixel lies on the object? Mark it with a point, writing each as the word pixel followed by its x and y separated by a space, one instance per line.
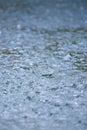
pixel 43 65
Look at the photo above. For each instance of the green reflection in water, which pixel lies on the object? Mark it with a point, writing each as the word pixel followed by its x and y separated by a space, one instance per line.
pixel 81 65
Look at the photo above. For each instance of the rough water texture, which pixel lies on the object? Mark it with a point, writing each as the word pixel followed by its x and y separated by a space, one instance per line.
pixel 43 65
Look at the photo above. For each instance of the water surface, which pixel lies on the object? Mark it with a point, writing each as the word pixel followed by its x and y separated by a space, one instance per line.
pixel 43 65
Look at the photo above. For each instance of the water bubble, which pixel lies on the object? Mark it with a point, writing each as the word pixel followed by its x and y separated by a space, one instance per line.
pixel 67 57
pixel 18 26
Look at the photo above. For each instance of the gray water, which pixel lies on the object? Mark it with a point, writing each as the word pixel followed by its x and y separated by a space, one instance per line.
pixel 43 65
